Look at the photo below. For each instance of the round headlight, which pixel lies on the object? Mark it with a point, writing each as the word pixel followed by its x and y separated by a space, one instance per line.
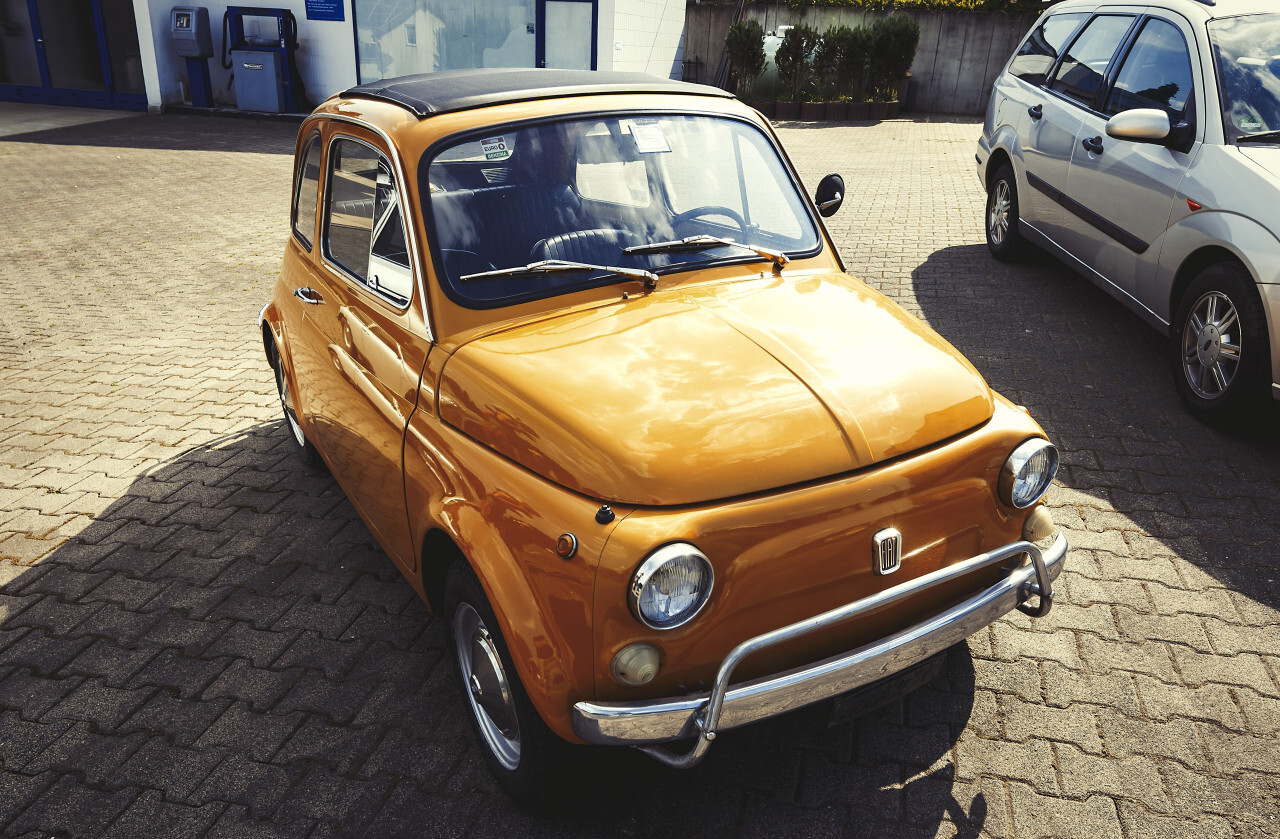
pixel 670 586
pixel 1028 472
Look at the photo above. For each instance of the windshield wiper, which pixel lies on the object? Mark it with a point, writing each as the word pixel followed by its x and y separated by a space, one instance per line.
pixel 1260 137
pixel 557 266
pixel 703 241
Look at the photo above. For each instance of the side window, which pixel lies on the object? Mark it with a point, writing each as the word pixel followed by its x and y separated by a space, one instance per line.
pixel 1038 54
pixel 1156 73
pixel 364 231
pixel 1082 70
pixel 304 200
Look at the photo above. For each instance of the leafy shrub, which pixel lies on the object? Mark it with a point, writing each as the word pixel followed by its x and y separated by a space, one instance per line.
pixel 745 47
pixel 794 70
pixel 893 47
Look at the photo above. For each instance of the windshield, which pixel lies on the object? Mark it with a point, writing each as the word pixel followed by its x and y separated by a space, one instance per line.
pixel 596 191
pixel 1247 50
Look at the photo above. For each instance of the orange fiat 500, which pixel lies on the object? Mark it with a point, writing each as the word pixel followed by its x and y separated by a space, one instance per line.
pixel 581 353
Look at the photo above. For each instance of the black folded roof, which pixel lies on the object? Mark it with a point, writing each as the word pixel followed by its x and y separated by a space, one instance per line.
pixel 459 90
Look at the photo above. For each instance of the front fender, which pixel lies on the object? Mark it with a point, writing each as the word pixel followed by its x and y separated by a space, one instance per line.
pixel 506 521
pixel 1254 245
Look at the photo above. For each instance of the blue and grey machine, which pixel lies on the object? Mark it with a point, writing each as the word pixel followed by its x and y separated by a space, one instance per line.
pixel 189 29
pixel 264 70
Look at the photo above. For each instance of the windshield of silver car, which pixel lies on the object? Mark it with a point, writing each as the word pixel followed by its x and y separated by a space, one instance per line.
pixel 1247 49
pixel 513 211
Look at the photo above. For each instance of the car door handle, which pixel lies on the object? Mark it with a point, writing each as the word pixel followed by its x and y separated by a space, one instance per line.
pixel 1093 144
pixel 308 295
pixel 1037 112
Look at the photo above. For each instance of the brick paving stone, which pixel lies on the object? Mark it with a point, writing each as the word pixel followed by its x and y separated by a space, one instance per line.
pixel 199 637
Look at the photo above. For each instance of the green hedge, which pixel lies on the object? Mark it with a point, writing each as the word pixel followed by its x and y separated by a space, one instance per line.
pixel 941 5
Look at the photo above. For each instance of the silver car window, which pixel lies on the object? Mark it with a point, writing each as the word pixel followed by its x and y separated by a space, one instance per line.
pixel 1082 71
pixel 1247 53
pixel 1037 55
pixel 1156 73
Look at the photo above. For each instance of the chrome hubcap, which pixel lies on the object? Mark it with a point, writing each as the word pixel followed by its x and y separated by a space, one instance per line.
pixel 1211 345
pixel 998 216
pixel 286 403
pixel 488 689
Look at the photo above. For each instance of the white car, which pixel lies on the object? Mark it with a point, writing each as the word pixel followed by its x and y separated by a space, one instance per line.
pixel 1140 144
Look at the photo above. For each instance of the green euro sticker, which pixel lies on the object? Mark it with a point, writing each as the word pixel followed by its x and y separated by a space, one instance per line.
pixel 1250 123
pixel 495 148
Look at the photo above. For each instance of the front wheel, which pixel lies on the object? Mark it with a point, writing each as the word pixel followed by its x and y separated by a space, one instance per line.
pixel 1004 239
pixel 526 758
pixel 1221 355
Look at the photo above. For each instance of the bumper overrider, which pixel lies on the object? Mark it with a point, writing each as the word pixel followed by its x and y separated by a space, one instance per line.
pixel 646 724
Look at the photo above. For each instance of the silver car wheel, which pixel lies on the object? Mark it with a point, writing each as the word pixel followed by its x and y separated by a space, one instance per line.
pixel 487 687
pixel 1211 343
pixel 998 218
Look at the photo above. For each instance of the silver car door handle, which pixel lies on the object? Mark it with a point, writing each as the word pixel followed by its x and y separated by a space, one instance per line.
pixel 1093 144
pixel 308 295
pixel 1037 112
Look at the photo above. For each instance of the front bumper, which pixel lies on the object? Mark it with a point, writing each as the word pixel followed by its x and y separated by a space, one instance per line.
pixel 645 724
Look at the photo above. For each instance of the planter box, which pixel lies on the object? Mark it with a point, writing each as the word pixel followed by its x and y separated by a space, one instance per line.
pixel 859 110
pixel 893 110
pixel 878 110
pixel 766 108
pixel 838 111
pixel 787 110
pixel 813 111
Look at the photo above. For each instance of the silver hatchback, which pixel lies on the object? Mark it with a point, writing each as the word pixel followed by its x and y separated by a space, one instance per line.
pixel 1140 144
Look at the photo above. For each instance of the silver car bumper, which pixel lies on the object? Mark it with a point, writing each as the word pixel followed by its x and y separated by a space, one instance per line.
pixel 644 724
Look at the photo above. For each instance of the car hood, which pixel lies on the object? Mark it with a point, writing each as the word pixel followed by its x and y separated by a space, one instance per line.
pixel 697 393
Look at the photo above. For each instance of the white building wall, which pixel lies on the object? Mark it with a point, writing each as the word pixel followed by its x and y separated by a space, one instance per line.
pixel 647 36
pixel 326 53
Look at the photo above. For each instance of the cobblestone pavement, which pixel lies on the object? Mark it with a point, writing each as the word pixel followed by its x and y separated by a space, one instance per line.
pixel 198 637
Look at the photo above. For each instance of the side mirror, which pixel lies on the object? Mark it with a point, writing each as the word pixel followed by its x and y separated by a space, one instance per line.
pixel 1145 125
pixel 830 195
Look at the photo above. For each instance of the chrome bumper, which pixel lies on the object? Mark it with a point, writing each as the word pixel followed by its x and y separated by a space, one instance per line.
pixel 644 724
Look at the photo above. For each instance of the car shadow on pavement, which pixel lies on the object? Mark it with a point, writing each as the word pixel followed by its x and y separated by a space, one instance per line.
pixel 1098 379
pixel 226 647
pixel 177 132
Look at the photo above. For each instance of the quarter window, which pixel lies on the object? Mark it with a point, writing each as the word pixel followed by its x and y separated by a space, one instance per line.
pixel 304 201
pixel 364 230
pixel 1038 54
pixel 1156 73
pixel 1082 70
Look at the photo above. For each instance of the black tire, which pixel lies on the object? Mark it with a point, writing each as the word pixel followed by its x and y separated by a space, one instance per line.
pixel 306 450
pixel 526 758
pixel 1220 352
pixel 1004 239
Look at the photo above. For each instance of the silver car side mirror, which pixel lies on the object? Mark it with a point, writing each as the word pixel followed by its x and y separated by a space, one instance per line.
pixel 1149 125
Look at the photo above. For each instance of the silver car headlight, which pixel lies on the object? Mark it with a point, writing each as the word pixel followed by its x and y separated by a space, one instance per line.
pixel 1028 472
pixel 670 586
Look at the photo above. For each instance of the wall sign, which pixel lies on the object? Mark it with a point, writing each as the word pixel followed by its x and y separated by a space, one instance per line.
pixel 325 10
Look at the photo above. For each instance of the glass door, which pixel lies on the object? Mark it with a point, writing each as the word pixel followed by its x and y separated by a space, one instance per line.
pixel 71 52
pixel 567 34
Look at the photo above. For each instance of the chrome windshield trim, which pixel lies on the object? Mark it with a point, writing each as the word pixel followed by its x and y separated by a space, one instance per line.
pixel 644 724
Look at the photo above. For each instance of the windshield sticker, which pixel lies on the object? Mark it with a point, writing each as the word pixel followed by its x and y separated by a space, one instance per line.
pixel 496 148
pixel 649 137
pixel 1250 123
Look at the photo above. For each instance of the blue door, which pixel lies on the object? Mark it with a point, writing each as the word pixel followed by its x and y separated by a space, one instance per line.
pixel 71 52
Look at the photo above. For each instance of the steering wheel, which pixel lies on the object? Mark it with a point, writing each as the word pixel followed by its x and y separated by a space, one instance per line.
pixel 710 210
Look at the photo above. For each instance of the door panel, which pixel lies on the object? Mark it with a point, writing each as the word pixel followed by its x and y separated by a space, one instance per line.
pixel 363 373
pixel 18 62
pixel 1119 200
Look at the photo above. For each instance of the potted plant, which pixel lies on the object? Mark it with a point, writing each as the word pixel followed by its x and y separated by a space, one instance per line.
pixel 745 47
pixel 893 49
pixel 826 57
pixel 851 68
pixel 794 70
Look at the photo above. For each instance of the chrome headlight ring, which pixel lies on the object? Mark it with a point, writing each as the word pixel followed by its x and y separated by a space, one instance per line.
pixel 1028 472
pixel 671 586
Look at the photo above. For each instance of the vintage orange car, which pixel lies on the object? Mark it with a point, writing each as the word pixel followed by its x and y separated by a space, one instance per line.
pixel 586 361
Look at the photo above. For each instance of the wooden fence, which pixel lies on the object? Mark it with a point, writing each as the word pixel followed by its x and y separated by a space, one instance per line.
pixel 958 58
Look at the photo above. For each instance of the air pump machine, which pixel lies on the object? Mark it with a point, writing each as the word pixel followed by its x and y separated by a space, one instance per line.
pixel 264 70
